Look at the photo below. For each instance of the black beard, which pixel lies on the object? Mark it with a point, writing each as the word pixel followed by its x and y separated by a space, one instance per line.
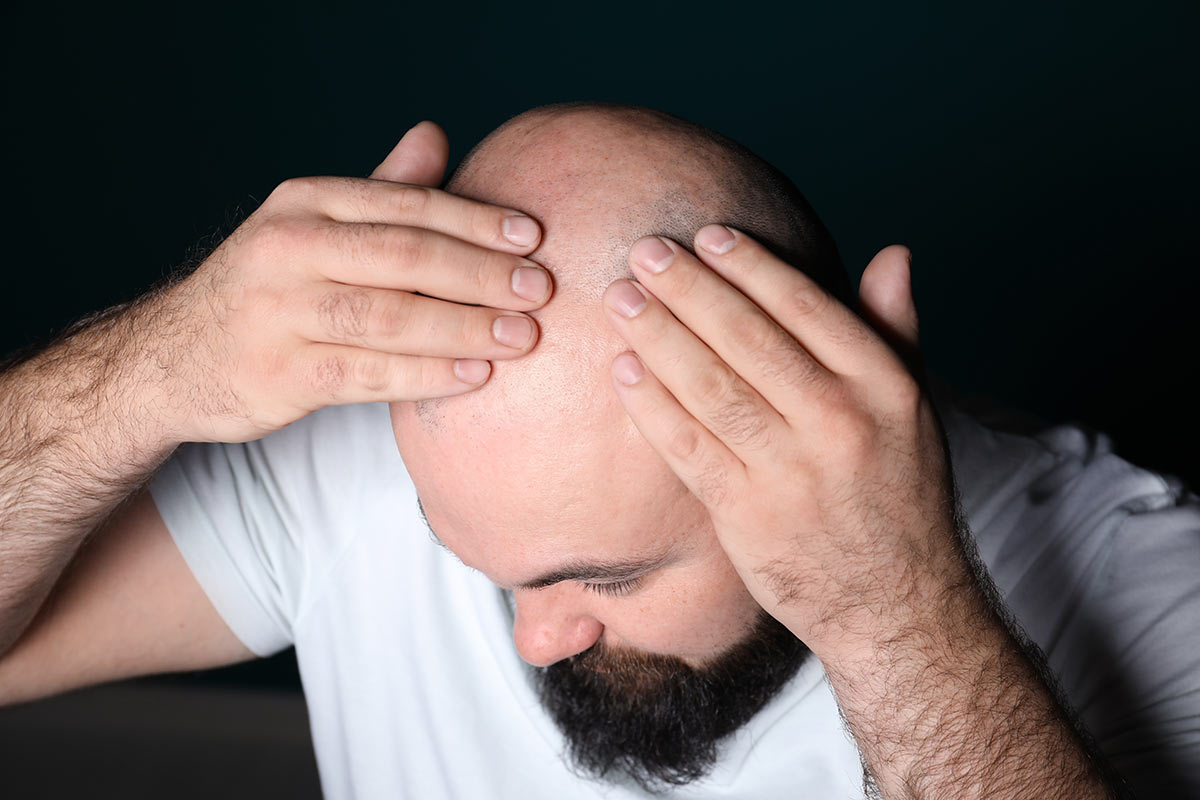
pixel 656 719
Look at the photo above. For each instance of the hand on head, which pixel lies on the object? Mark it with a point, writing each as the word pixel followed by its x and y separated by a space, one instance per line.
pixel 345 290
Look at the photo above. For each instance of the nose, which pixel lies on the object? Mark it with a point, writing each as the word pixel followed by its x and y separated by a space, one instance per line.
pixel 547 629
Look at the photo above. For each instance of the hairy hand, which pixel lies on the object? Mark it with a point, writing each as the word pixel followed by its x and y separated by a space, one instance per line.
pixel 798 425
pixel 346 290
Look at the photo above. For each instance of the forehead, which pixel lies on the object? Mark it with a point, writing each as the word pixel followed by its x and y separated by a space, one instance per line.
pixel 515 506
pixel 542 464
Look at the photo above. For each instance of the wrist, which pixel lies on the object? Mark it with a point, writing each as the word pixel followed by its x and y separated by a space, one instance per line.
pixel 108 388
pixel 924 611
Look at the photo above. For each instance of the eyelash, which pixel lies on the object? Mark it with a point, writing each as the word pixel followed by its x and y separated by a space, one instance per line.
pixel 614 588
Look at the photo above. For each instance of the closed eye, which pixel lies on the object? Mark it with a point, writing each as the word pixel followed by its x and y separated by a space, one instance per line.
pixel 615 588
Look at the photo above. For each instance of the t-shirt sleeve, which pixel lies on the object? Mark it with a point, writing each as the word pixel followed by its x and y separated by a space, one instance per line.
pixel 1099 561
pixel 222 505
pixel 259 523
pixel 1135 669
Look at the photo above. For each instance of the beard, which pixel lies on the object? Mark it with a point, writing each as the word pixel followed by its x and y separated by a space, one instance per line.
pixel 656 719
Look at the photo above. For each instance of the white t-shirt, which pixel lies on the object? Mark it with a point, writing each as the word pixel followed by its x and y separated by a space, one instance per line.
pixel 311 537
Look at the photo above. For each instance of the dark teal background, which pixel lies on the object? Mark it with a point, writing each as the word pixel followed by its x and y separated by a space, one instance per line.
pixel 1040 160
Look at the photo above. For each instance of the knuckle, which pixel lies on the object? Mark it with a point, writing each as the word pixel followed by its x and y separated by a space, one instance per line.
pixel 805 300
pixel 472 328
pixel 686 281
pixel 736 413
pixel 428 375
pixel 373 373
pixel 478 276
pixel 787 367
pixel 414 201
pixel 781 359
pixel 328 375
pixel 271 238
pixel 657 330
pixel 274 242
pixel 485 223
pixel 747 258
pixel 740 424
pixel 749 331
pixel 356 193
pixel 344 314
pixel 394 318
pixel 297 190
pixel 715 386
pixel 407 246
pixel 683 442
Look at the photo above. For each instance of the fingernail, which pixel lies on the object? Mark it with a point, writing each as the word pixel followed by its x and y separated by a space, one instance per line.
pixel 628 369
pixel 626 299
pixel 716 239
pixel 513 331
pixel 471 370
pixel 520 230
pixel 532 283
pixel 652 254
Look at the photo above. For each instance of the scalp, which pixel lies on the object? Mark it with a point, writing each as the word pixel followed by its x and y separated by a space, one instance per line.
pixel 599 177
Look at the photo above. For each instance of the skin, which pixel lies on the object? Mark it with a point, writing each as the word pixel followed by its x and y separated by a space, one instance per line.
pixel 789 422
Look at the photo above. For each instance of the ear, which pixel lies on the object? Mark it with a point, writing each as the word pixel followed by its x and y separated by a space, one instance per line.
pixel 885 300
pixel 420 157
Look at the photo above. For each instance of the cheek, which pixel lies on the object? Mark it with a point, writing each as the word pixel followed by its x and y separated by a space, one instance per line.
pixel 695 612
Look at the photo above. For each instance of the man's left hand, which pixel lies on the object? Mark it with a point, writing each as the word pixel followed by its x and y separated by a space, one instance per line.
pixel 801 429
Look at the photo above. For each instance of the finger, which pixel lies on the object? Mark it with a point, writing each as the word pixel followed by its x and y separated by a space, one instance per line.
pixel 366 200
pixel 418 260
pixel 834 335
pixel 409 324
pixel 738 331
pixel 705 466
pixel 708 388
pixel 332 374
pixel 886 300
pixel 420 157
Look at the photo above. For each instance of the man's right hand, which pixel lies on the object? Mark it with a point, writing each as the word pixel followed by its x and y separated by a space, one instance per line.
pixel 337 290
pixel 345 290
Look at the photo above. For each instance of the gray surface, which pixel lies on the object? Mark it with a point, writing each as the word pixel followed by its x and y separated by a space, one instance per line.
pixel 138 740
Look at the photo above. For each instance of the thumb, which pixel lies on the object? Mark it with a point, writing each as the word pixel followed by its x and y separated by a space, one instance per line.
pixel 885 300
pixel 420 157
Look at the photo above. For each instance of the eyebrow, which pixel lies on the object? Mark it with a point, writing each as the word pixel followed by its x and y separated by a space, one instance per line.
pixel 597 571
pixel 591 571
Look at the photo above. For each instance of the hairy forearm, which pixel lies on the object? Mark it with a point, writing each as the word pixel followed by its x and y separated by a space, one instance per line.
pixel 80 429
pixel 948 704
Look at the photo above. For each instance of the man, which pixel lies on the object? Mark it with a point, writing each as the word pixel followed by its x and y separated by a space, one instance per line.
pixel 700 492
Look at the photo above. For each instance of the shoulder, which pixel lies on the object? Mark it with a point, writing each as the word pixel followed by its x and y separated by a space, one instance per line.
pixel 1097 560
pixel 1027 485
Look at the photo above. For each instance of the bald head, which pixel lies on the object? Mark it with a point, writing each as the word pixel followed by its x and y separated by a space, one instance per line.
pixel 626 171
pixel 599 177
